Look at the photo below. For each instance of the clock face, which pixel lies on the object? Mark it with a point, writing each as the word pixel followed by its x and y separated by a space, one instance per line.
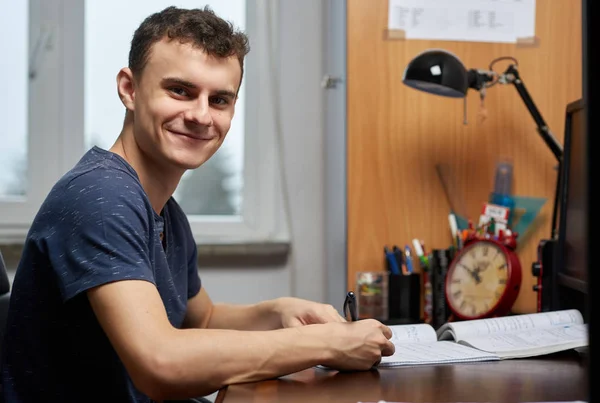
pixel 477 279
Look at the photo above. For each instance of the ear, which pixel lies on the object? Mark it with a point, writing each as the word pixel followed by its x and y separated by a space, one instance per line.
pixel 126 88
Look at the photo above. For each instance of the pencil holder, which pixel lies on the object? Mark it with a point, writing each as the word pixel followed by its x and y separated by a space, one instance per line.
pixel 404 298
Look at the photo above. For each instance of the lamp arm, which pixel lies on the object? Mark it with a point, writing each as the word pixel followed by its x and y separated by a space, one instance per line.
pixel 512 76
pixel 557 194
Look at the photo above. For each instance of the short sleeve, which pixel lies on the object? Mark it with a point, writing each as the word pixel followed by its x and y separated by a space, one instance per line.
pixel 185 246
pixel 194 283
pixel 99 232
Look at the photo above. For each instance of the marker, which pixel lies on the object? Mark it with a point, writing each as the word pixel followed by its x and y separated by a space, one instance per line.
pixel 392 261
pixel 419 251
pixel 417 246
pixel 425 256
pixel 453 229
pixel 408 259
pixel 399 255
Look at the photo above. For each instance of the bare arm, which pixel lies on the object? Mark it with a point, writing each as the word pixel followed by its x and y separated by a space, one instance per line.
pixel 168 363
pixel 267 315
pixel 202 313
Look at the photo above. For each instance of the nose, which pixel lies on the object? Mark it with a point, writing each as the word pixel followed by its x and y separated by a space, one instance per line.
pixel 199 113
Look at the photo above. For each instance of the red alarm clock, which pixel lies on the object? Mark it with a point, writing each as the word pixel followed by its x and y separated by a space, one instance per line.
pixel 484 278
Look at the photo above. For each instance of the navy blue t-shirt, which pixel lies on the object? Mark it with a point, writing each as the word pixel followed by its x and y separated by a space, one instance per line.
pixel 96 226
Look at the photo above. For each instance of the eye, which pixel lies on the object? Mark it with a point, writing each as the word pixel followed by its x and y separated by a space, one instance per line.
pixel 180 91
pixel 219 101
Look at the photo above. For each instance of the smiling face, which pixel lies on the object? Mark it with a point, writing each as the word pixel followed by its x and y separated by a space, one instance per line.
pixel 182 102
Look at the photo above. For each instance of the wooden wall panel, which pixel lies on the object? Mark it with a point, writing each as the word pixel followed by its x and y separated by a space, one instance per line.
pixel 396 135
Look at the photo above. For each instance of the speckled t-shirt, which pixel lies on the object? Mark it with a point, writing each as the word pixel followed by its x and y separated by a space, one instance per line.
pixel 96 226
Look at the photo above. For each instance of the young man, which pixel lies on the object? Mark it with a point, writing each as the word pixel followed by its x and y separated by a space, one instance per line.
pixel 107 303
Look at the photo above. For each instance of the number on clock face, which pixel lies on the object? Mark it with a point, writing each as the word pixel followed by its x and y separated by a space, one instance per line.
pixel 477 279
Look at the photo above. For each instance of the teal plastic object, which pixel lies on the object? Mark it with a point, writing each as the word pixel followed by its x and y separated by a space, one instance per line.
pixel 462 223
pixel 525 210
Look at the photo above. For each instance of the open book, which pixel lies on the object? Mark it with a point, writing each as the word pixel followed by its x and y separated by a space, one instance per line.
pixel 492 339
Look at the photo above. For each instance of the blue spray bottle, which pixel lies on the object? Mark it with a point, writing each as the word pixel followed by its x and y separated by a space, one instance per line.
pixel 502 194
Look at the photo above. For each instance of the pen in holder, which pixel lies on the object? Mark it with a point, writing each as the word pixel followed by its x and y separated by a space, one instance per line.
pixel 404 286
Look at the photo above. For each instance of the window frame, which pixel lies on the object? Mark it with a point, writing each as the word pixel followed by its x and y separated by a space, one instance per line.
pixel 51 126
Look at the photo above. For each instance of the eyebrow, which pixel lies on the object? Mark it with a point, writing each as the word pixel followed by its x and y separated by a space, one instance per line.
pixel 190 85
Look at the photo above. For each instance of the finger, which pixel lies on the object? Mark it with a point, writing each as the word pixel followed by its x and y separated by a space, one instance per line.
pixel 331 315
pixel 328 317
pixel 336 317
pixel 294 322
pixel 388 349
pixel 372 323
pixel 387 332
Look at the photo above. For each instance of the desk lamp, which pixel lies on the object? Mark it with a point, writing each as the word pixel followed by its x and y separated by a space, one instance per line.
pixel 440 72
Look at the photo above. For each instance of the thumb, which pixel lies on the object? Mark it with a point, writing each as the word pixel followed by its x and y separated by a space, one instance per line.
pixel 293 322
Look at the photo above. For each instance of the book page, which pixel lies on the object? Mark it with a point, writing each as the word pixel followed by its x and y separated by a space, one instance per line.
pixel 437 352
pixel 532 342
pixel 416 333
pixel 483 327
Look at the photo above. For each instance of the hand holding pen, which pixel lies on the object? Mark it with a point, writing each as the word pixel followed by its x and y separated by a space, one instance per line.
pixel 358 345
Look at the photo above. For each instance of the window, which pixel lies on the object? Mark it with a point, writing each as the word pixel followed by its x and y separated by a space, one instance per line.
pixel 13 105
pixel 74 56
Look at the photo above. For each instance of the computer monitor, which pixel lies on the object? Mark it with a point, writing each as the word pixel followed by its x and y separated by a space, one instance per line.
pixel 571 274
pixel 590 84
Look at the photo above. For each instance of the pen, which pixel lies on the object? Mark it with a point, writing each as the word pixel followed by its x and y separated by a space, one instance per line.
pixel 399 256
pixel 423 247
pixel 392 260
pixel 408 259
pixel 425 255
pixel 350 305
pixel 453 229
pixel 420 254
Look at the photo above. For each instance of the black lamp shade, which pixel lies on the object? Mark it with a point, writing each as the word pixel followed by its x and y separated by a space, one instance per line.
pixel 437 72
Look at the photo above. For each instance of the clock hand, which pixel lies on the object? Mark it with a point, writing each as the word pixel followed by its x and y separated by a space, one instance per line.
pixel 474 273
pixel 476 276
pixel 467 269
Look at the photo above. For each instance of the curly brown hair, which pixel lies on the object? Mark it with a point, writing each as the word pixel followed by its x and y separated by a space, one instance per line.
pixel 201 27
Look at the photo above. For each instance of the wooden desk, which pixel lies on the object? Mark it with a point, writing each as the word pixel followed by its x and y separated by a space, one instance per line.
pixel 561 377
